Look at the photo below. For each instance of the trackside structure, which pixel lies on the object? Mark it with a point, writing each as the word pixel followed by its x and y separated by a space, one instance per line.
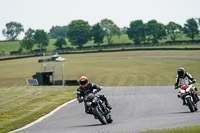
pixel 51 75
pixel 58 73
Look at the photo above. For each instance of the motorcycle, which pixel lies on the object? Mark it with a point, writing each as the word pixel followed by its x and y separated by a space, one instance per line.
pixel 186 94
pixel 98 108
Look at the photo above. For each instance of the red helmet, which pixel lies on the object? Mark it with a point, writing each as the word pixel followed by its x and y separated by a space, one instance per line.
pixel 83 81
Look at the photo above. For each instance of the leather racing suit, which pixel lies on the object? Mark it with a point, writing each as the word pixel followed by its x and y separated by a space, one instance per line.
pixel 82 92
pixel 187 79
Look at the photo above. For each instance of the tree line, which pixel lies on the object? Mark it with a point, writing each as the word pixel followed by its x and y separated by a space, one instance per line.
pixel 79 32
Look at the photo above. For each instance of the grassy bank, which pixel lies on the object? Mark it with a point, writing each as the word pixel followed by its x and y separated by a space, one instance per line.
pixel 20 104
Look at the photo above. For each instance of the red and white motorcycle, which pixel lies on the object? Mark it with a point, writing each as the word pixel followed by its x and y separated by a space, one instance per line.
pixel 186 92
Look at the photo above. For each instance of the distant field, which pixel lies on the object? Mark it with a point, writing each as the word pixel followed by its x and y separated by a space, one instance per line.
pixel 101 67
pixel 14 45
pixel 9 46
pixel 21 104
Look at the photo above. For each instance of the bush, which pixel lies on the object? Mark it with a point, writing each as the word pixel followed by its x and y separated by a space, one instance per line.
pixel 15 53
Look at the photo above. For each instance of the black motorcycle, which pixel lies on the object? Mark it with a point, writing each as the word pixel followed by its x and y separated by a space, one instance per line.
pixel 98 108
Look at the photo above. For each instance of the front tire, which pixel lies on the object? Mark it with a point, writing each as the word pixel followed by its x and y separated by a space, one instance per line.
pixel 98 114
pixel 190 104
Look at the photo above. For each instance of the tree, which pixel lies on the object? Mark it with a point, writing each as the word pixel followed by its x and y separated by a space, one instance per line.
pixel 58 31
pixel 124 30
pixel 98 34
pixel 173 29
pixel 28 41
pixel 42 39
pixel 191 28
pixel 155 30
pixel 60 42
pixel 136 31
pixel 110 29
pixel 79 32
pixel 12 31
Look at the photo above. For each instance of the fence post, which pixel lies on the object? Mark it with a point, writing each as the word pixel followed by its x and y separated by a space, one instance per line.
pixel 63 80
pixel 45 67
pixel 53 67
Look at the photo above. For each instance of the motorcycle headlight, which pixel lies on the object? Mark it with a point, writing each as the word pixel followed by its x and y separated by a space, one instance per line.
pixel 188 89
pixel 182 91
pixel 89 103
pixel 94 100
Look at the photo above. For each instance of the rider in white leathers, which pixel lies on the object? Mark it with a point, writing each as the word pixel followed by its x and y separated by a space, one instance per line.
pixel 186 78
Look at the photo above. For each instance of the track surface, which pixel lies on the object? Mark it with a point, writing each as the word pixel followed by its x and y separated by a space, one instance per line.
pixel 134 109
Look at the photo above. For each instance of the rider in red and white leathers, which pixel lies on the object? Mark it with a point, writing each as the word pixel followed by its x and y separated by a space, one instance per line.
pixel 186 78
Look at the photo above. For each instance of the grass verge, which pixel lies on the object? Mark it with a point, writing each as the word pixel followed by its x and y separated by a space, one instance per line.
pixel 187 129
pixel 22 105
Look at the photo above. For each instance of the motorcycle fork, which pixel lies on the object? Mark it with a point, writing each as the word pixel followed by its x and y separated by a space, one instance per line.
pixel 105 109
pixel 101 109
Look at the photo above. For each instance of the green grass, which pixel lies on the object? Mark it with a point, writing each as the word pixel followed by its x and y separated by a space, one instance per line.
pixel 9 46
pixel 187 129
pixel 24 104
pixel 180 37
pixel 21 104
pixel 105 66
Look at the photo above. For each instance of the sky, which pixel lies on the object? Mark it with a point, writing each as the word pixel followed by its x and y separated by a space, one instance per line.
pixel 43 14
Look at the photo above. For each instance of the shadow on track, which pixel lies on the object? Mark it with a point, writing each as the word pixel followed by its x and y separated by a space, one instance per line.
pixel 92 125
pixel 185 112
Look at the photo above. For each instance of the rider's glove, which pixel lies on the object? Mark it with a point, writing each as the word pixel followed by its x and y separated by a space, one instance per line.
pixel 176 86
pixel 80 100
pixel 194 80
pixel 99 88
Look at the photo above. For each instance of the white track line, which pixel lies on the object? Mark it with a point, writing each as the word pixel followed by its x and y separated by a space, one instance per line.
pixel 43 117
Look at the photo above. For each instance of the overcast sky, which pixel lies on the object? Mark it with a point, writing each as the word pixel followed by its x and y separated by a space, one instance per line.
pixel 43 14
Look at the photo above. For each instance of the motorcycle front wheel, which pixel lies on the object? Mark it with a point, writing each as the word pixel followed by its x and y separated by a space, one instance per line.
pixel 98 114
pixel 190 104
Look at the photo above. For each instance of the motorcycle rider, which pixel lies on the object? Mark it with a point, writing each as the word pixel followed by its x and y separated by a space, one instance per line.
pixel 183 78
pixel 87 88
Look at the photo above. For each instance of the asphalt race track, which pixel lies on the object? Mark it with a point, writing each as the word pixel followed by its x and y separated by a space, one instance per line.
pixel 134 109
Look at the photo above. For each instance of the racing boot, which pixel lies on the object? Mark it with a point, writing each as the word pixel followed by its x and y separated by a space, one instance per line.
pixel 108 106
pixel 196 97
pixel 95 117
pixel 87 111
pixel 106 102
